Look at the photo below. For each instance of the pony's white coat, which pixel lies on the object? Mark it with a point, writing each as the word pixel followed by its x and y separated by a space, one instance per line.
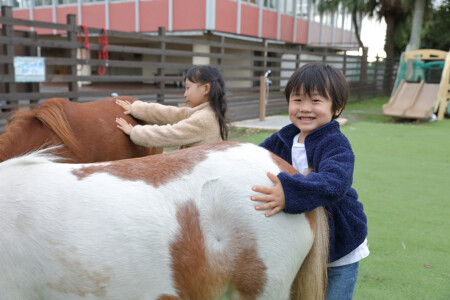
pixel 103 236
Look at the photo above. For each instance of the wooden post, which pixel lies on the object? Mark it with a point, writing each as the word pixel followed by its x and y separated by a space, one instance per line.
pixel 443 94
pixel 375 78
pixel 9 51
pixel 262 98
pixel 162 69
pixel 33 86
pixel 344 63
pixel 222 51
pixel 360 85
pixel 324 56
pixel 298 56
pixel 262 85
pixel 72 69
pixel 265 54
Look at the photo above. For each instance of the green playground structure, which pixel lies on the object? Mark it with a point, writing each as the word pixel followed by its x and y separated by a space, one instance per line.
pixel 422 86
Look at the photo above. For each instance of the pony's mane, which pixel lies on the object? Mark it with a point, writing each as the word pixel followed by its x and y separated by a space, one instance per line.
pixel 36 157
pixel 14 128
pixel 14 125
pixel 51 114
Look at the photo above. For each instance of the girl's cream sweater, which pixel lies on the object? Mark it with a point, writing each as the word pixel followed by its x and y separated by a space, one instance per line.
pixel 174 126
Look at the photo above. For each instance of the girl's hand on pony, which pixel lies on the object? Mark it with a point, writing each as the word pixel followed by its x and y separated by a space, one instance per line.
pixel 273 196
pixel 126 105
pixel 124 125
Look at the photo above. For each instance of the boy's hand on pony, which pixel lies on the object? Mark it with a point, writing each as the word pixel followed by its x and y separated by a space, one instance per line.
pixel 273 198
pixel 126 105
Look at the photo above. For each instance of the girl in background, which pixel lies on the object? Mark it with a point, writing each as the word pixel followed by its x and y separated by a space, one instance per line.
pixel 202 121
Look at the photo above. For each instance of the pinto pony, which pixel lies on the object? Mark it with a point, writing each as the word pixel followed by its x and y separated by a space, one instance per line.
pixel 178 225
pixel 86 131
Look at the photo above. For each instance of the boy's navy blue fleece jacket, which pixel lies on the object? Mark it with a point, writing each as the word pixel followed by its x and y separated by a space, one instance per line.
pixel 330 155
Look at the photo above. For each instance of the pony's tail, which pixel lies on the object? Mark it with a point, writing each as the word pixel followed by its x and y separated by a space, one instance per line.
pixel 311 280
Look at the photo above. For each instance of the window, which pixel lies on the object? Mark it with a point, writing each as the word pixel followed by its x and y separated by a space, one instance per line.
pixel 271 4
pixel 42 2
pixel 302 9
pixel 65 2
pixel 340 16
pixel 348 22
pixel 327 18
pixel 288 7
pixel 315 13
pixel 251 1
pixel 21 3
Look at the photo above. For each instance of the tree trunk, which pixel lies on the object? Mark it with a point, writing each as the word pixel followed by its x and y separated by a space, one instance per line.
pixel 391 26
pixel 416 29
pixel 363 69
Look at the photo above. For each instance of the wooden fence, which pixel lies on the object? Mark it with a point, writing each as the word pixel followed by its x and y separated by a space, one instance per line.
pixel 151 66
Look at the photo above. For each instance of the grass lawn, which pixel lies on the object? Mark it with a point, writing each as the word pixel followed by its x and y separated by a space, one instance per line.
pixel 402 177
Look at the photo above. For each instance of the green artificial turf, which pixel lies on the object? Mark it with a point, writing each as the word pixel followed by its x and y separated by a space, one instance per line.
pixel 402 177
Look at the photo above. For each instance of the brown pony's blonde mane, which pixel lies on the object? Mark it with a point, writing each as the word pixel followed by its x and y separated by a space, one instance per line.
pixel 13 130
pixel 14 125
pixel 51 114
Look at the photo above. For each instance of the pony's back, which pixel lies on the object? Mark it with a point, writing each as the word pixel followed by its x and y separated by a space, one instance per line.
pixel 87 131
pixel 178 225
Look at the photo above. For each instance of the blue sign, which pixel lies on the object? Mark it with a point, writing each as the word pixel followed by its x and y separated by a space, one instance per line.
pixel 29 69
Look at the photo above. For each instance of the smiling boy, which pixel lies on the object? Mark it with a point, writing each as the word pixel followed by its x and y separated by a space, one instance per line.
pixel 317 94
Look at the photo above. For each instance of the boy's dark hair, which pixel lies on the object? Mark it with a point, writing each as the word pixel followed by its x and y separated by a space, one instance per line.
pixel 326 80
pixel 216 96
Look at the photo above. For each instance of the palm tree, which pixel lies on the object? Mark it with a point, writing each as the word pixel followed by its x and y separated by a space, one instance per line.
pixel 357 10
pixel 393 12
pixel 417 24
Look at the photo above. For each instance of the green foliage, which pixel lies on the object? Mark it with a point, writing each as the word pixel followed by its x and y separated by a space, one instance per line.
pixel 402 35
pixel 435 34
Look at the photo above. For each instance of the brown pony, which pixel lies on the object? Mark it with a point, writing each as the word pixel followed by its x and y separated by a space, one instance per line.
pixel 87 132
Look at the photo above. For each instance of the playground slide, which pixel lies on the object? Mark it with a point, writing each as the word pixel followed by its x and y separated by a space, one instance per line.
pixel 425 102
pixel 412 100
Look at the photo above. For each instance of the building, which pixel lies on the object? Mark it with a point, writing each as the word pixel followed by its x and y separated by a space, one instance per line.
pixel 276 22
pixel 293 21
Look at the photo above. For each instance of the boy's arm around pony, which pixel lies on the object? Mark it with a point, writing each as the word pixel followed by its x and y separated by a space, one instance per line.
pixel 331 180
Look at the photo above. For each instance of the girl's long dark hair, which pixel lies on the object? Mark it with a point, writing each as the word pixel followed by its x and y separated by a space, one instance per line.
pixel 216 96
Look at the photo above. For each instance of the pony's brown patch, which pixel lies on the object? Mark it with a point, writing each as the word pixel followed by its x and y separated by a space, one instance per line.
pixel 283 165
pixel 194 277
pixel 199 274
pixel 249 273
pixel 156 169
pixel 286 167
